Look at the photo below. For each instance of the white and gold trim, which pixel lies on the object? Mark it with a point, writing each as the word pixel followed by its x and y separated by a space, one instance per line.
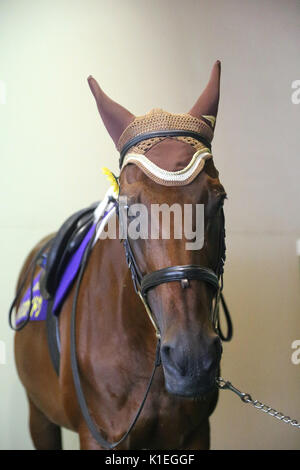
pixel 169 178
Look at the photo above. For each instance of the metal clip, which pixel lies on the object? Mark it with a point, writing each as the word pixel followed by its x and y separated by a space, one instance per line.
pixel 226 385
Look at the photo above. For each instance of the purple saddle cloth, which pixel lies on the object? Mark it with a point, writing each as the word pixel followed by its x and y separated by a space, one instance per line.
pixel 38 306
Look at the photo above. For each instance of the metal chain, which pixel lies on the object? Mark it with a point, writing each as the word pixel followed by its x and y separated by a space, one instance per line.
pixel 246 398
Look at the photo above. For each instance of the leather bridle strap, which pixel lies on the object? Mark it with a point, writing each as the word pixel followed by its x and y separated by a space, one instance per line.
pixel 183 273
pixel 178 273
pixel 93 428
pixel 169 133
pixel 133 266
pixel 229 332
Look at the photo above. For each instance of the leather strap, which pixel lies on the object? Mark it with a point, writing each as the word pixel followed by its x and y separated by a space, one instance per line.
pixel 150 135
pixel 178 273
pixel 133 266
pixel 58 252
pixel 143 284
pixel 229 333
pixel 53 336
pixel 75 370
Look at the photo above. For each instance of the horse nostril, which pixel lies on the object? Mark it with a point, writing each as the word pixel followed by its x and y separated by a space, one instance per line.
pixel 214 354
pixel 185 359
pixel 171 357
pixel 165 351
pixel 174 358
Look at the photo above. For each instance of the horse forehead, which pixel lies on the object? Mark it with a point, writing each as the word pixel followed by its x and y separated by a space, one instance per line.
pixel 170 154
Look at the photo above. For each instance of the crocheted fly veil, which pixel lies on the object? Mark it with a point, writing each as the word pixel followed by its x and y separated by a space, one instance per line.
pixel 189 130
pixel 146 140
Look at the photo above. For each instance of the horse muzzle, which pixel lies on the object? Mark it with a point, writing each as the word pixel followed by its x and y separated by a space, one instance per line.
pixel 191 372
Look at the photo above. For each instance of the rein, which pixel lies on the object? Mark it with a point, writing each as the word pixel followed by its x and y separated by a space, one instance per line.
pixel 75 370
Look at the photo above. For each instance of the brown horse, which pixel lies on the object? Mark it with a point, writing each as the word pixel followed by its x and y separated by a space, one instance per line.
pixel 114 336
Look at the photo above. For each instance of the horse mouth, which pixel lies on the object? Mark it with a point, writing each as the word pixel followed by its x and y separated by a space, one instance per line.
pixel 195 389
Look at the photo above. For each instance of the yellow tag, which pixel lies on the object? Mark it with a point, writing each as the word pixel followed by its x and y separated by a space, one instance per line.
pixel 211 119
pixel 112 179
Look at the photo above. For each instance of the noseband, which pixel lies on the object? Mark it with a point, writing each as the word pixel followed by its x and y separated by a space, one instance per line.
pixel 181 273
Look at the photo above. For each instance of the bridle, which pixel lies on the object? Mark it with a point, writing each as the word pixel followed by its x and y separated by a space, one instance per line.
pixel 143 284
pixel 182 273
pixel 168 133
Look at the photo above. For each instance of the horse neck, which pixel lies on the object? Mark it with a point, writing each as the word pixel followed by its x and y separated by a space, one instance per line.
pixel 116 312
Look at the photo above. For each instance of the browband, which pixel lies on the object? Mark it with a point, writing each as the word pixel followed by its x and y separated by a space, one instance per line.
pixel 166 133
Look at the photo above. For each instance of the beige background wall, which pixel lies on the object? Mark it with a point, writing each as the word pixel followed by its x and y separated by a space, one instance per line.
pixel 159 54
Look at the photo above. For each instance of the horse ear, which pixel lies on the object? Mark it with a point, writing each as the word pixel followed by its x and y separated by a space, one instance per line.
pixel 207 104
pixel 115 117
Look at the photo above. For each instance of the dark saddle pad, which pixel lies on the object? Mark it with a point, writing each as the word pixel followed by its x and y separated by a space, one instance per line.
pixel 63 245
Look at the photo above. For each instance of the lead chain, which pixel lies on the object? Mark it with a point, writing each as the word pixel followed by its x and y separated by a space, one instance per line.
pixel 246 398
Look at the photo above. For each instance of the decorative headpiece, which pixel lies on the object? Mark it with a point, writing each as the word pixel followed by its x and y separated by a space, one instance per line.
pixel 134 136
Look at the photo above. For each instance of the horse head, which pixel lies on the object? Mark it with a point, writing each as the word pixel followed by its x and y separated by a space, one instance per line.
pixel 166 162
